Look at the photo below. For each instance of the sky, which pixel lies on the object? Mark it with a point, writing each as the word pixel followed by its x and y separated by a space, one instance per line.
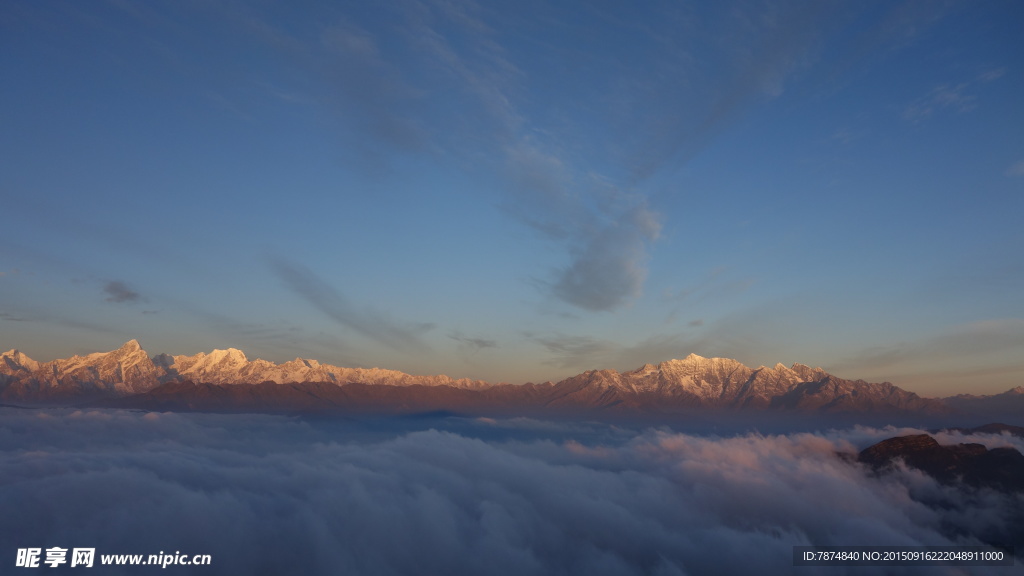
pixel 520 191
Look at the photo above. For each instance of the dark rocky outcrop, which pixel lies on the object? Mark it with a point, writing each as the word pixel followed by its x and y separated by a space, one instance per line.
pixel 971 464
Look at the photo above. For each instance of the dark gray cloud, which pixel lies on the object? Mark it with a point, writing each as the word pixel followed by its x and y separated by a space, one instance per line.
pixel 269 495
pixel 473 343
pixel 119 292
pixel 606 232
pixel 608 260
pixel 470 348
pixel 368 322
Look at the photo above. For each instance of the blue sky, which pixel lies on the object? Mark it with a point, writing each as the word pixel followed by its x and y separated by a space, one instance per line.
pixel 520 191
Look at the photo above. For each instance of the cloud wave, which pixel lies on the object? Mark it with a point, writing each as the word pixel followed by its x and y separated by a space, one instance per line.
pixel 266 494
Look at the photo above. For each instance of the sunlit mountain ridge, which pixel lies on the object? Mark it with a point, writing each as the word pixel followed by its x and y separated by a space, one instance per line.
pixel 227 380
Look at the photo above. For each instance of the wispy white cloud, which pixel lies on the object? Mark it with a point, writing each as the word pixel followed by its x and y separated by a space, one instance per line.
pixel 846 135
pixel 1016 169
pixel 990 75
pixel 958 97
pixel 941 97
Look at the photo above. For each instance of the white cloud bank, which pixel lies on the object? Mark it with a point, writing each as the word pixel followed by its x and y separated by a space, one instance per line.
pixel 271 495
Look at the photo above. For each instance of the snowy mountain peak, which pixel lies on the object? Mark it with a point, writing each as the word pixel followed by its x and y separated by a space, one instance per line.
pixel 130 346
pixel 229 356
pixel 14 354
pixel 14 360
pixel 807 373
pixel 217 366
pixel 694 364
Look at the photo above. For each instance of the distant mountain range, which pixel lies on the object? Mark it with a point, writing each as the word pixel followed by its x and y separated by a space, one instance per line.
pixel 225 380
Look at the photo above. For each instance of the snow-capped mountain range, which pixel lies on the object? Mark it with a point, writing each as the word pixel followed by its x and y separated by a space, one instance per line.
pixel 130 370
pixel 220 378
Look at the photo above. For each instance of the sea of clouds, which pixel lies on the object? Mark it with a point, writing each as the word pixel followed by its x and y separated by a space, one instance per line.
pixel 279 495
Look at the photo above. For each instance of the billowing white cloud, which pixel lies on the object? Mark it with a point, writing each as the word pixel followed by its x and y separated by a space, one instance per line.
pixel 264 494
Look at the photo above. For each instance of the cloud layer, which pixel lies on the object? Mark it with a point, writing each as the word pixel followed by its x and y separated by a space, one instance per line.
pixel 267 495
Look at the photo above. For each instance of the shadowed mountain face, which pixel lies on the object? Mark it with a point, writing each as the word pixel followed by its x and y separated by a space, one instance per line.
pixel 229 381
pixel 972 464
